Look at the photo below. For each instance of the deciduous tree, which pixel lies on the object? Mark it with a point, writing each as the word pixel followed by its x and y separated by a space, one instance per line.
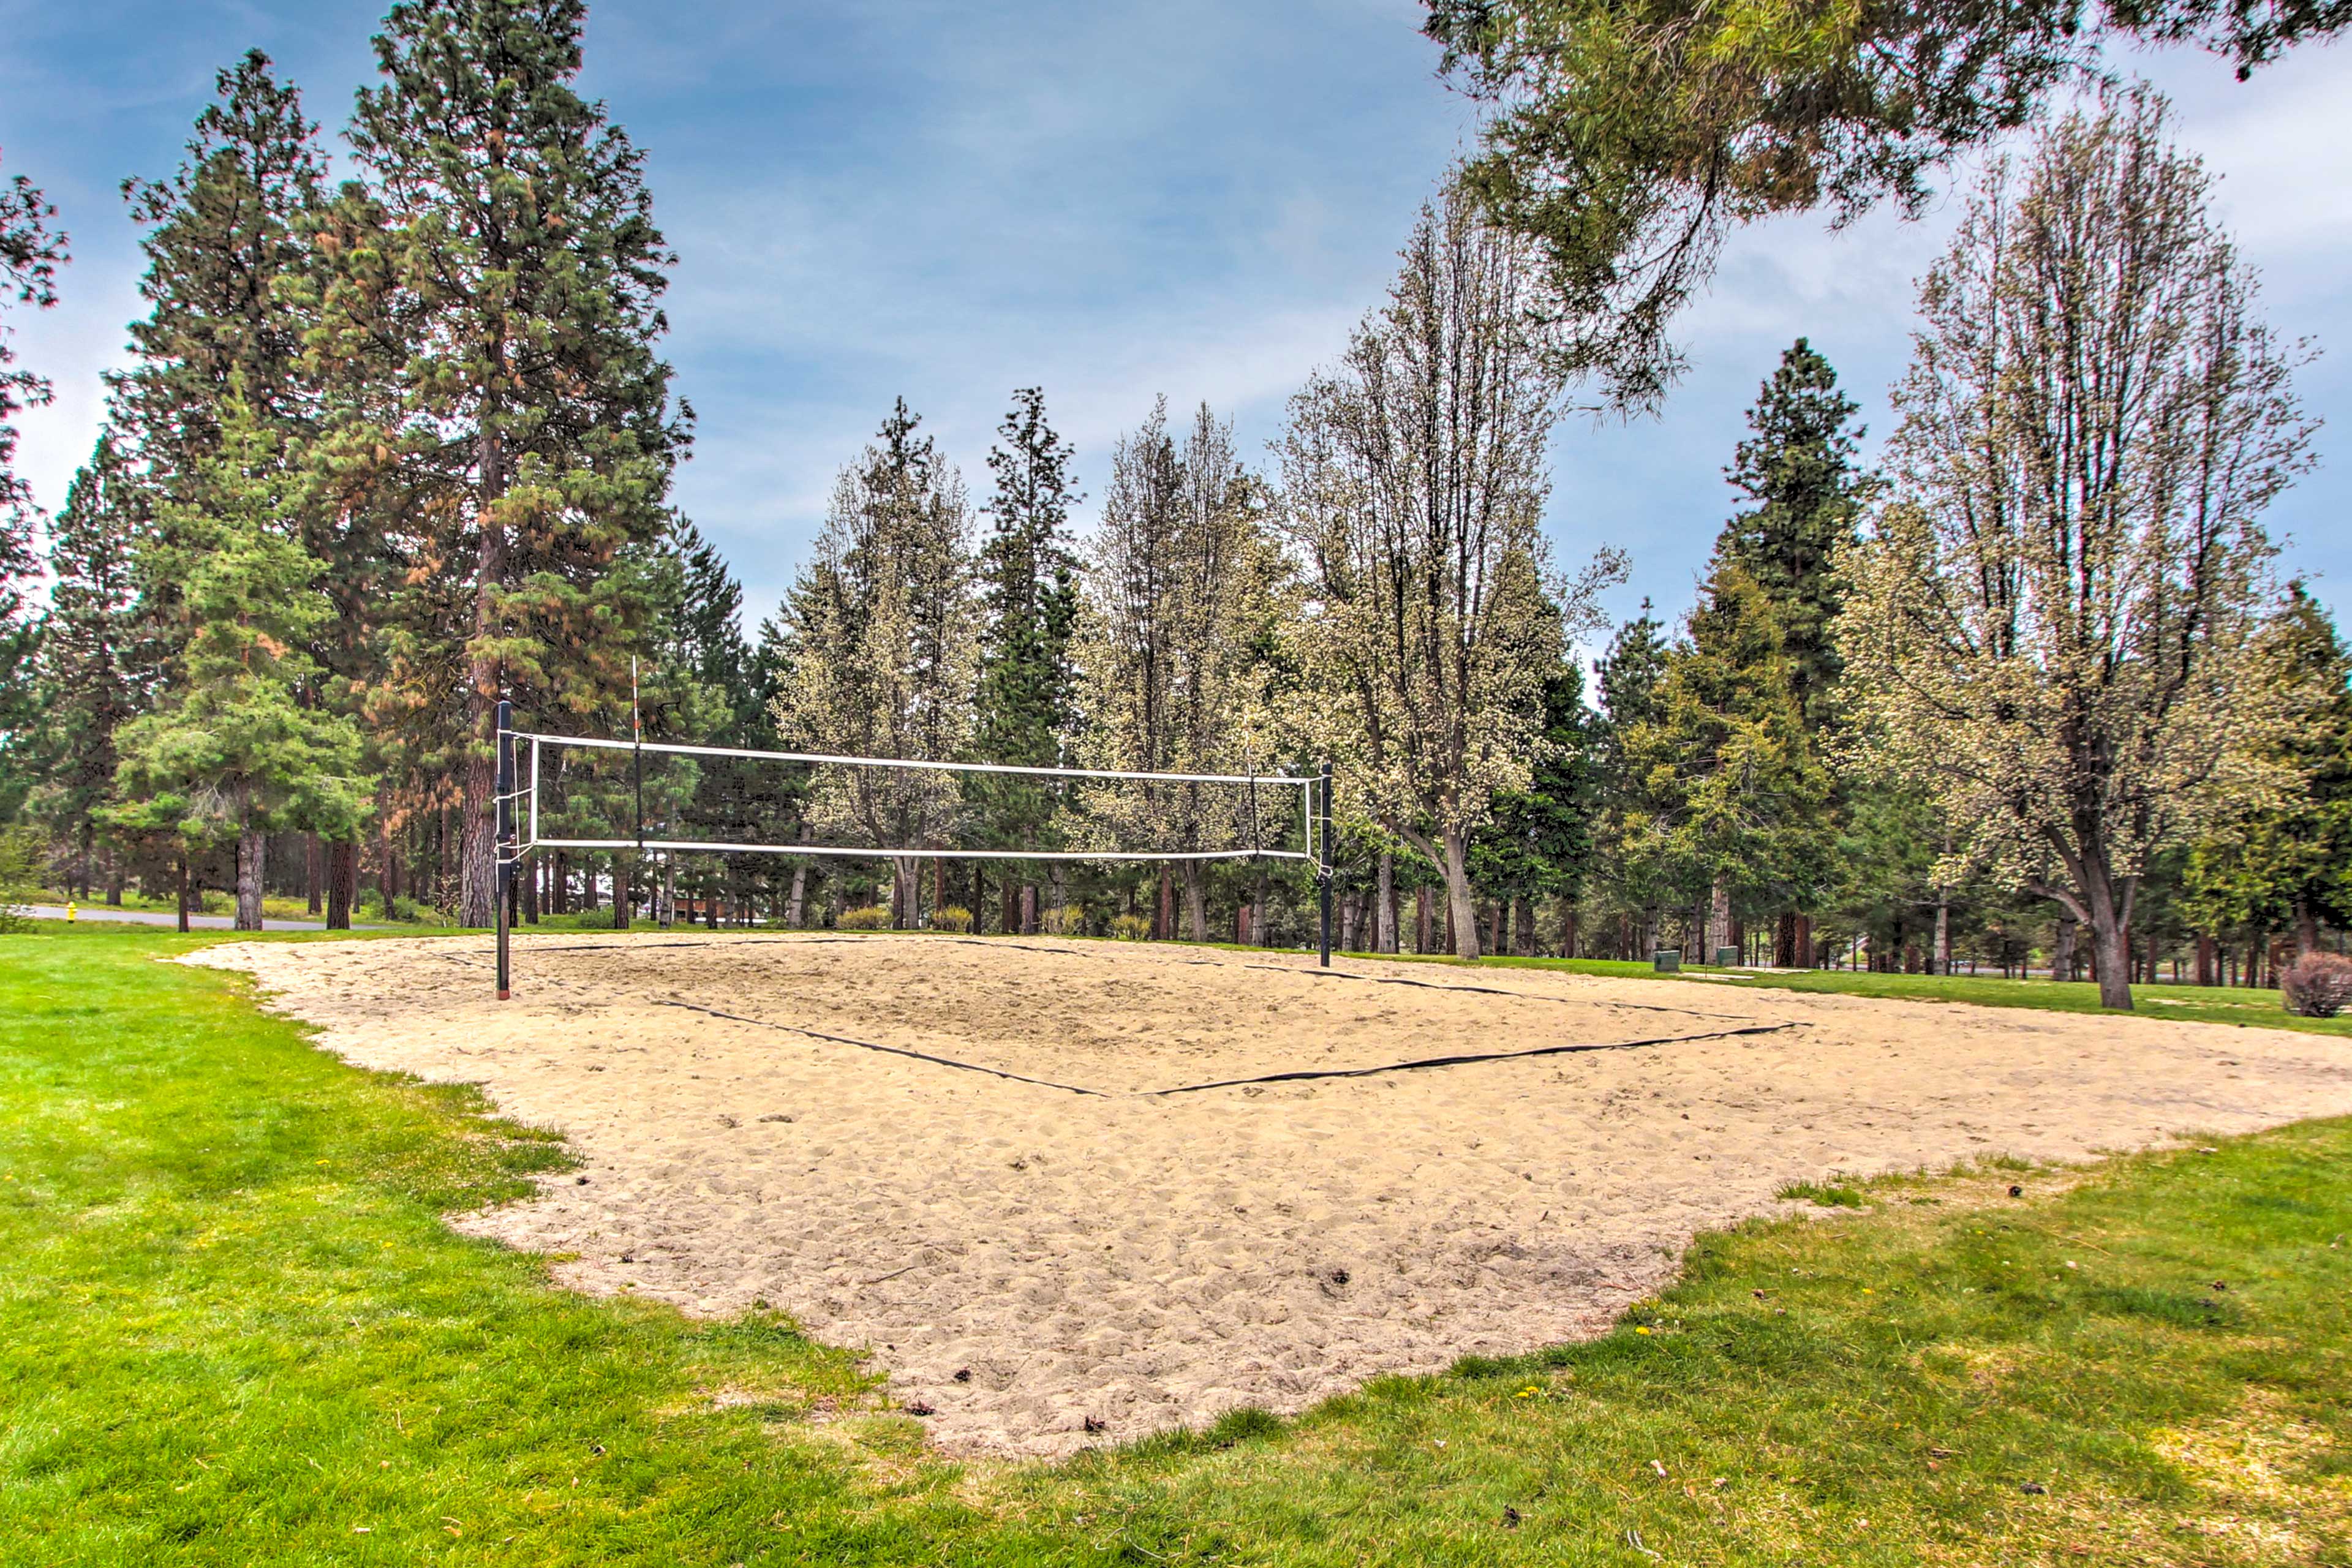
pixel 2053 622
pixel 886 648
pixel 1182 580
pixel 1414 483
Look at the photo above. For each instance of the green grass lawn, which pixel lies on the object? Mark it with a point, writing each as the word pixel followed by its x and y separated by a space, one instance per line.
pixel 234 1330
pixel 2200 1004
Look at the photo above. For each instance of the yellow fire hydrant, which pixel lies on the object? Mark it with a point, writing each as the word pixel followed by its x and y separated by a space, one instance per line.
pixel 73 911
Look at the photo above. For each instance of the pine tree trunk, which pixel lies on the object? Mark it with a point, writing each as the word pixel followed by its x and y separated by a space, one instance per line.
pixel 1420 920
pixel 252 852
pixel 2306 927
pixel 1523 930
pixel 342 882
pixel 1164 928
pixel 314 856
pixel 477 871
pixel 183 868
pixel 1461 903
pixel 794 908
pixel 2062 953
pixel 624 891
pixel 1942 963
pixel 1568 927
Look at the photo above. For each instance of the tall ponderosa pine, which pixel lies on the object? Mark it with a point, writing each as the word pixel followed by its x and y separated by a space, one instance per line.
pixel 516 271
pixel 886 649
pixel 92 674
pixel 1028 586
pixel 225 236
pixel 232 300
pixel 31 251
pixel 241 747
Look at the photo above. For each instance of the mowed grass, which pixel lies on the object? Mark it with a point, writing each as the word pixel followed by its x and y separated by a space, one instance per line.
pixel 2246 1007
pixel 233 1328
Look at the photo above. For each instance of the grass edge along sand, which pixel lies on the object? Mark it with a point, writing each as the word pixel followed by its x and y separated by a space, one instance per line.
pixel 233 1330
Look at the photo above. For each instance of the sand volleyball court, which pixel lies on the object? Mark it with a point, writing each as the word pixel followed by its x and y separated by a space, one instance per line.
pixel 1001 1168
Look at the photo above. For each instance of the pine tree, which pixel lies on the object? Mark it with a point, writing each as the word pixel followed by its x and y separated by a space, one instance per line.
pixel 93 672
pixel 1798 469
pixel 1631 673
pixel 240 747
pixel 1539 842
pixel 31 251
pixel 707 633
pixel 519 268
pixel 886 648
pixel 233 247
pixel 1028 586
pixel 2286 865
pixel 1726 760
pixel 225 233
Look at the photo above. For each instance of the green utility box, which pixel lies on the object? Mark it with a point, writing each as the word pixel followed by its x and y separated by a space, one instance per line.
pixel 1666 960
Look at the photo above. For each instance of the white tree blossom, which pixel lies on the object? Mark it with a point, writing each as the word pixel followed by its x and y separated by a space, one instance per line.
pixel 2051 620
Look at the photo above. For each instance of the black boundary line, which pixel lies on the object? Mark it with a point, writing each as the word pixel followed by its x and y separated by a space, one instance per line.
pixel 796 1029
pixel 1479 1057
pixel 887 1050
pixel 1304 1076
pixel 813 938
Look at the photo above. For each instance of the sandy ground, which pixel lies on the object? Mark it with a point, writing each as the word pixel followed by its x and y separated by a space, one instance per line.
pixel 1110 1250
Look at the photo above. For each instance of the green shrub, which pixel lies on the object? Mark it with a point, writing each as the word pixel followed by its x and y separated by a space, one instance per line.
pixel 1063 921
pixel 873 917
pixel 952 916
pixel 1130 928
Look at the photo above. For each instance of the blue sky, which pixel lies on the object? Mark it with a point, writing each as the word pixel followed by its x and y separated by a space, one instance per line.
pixel 946 201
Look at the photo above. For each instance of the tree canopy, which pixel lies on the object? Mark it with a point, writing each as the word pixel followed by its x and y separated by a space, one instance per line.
pixel 1629 139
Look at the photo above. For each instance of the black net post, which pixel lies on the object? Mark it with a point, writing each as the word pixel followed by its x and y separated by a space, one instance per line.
pixel 1323 866
pixel 503 849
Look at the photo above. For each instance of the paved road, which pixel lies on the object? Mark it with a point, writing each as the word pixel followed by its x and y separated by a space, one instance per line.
pixel 155 918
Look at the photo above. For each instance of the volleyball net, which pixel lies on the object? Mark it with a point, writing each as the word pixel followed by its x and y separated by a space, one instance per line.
pixel 680 802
